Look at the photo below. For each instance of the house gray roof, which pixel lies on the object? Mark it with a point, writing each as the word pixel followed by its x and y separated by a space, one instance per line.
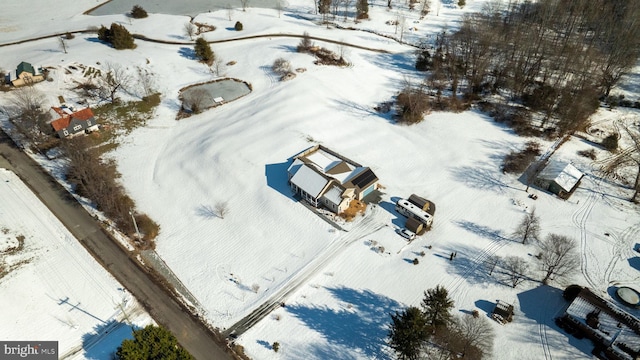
pixel 334 194
pixel 309 181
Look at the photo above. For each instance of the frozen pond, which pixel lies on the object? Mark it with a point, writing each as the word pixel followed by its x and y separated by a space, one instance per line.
pixel 216 92
pixel 186 7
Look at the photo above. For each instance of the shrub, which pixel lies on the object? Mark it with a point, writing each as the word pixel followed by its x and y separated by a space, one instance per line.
pixel 590 154
pixel 138 12
pixel 416 261
pixel 275 346
pixel 475 314
pixel 610 142
pixel 424 61
pixel 305 44
pixel 362 9
pixel 517 161
pixel 148 228
pixel 238 26
pixel 411 105
pixel 281 67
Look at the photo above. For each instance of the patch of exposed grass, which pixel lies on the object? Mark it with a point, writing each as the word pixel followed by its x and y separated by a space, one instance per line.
pixel 125 116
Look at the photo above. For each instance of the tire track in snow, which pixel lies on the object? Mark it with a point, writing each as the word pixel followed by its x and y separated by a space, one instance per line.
pixel 579 219
pixel 367 226
pixel 623 251
pixel 544 340
pixel 480 259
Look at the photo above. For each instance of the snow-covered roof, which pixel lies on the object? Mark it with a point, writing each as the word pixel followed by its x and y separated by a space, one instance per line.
pixel 309 180
pixel 614 323
pixel 565 175
pixel 294 167
pixel 334 194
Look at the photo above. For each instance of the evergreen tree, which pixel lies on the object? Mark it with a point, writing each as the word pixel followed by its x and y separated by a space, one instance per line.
pixel 104 34
pixel 121 38
pixel 138 12
pixel 408 332
pixel 203 51
pixel 150 343
pixel 362 9
pixel 437 306
pixel 324 6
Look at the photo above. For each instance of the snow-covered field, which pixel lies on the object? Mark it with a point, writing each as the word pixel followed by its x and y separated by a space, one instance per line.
pixel 54 290
pixel 238 153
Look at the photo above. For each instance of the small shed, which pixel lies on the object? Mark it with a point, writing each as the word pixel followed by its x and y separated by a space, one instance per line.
pixel 418 201
pixel 503 312
pixel 414 225
pixel 559 178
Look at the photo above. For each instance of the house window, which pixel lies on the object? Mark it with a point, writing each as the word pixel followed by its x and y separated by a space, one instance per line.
pixel 77 127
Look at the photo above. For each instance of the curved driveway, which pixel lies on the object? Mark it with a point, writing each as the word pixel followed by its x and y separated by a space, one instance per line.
pixel 200 341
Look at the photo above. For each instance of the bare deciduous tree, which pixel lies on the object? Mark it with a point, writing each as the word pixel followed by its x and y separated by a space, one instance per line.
pixel 426 7
pixel 491 263
pixel 147 82
pixel 26 110
pixel 222 209
pixel 245 4
pixel 62 42
pixel 280 4
pixel 516 269
pixel 229 11
pixel 218 67
pixel 347 4
pixel 558 256
pixel 115 78
pixel 477 336
pixel 529 228
pixel 281 67
pixel 189 29
pixel 194 100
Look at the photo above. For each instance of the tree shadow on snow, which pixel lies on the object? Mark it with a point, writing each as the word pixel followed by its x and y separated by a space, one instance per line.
pixel 469 264
pixel 542 305
pixel 265 344
pixel 484 231
pixel 105 338
pixel 206 211
pixel 356 109
pixel 187 53
pixel 361 326
pixel 483 178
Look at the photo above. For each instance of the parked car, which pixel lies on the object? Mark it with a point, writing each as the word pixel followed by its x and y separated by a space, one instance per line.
pixel 408 234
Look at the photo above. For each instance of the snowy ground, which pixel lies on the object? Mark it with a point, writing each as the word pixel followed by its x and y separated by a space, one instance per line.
pixel 238 153
pixel 54 290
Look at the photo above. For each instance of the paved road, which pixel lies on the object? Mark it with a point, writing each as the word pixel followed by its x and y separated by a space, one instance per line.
pixel 201 342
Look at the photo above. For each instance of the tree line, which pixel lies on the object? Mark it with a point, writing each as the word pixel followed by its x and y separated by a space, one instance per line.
pixel 552 56
pixel 434 332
